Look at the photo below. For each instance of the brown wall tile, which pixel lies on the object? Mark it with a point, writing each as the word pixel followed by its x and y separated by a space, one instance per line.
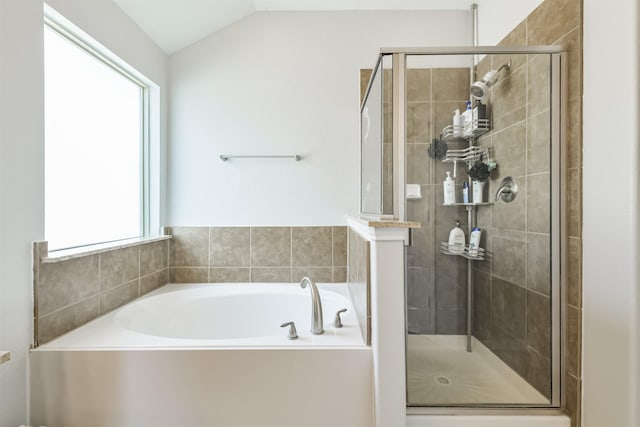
pixel 154 257
pixel 538 200
pixel 551 20
pixel 339 246
pixel 119 296
pixel 508 308
pixel 190 246
pixel 509 257
pixel 419 122
pixel 67 282
pixel 339 274
pixel 317 274
pixel 418 164
pixel 538 84
pixel 229 246
pixel 420 288
pixel 271 247
pixel 574 203
pixel 229 275
pixel 574 272
pixel 539 263
pixel 450 84
pixel 539 372
pixel 574 341
pixel 154 281
pixel 189 274
pixel 538 144
pixel 62 321
pixel 118 267
pixel 539 323
pixel 311 246
pixel 271 275
pixel 508 97
pixel 418 81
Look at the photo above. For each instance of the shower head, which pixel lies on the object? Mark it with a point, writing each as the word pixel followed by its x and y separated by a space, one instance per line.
pixel 480 88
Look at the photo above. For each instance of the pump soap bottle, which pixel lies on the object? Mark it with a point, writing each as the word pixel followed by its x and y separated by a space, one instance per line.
pixel 449 187
pixel 456 239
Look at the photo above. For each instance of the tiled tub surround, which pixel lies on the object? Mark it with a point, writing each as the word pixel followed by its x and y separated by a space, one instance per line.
pixel 258 254
pixel 359 281
pixel 72 291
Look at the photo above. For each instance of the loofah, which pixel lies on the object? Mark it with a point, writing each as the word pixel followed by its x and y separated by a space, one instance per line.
pixel 438 149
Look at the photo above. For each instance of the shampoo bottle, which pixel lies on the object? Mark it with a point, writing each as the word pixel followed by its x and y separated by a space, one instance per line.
pixel 457 123
pixel 474 241
pixel 449 187
pixel 465 192
pixel 467 120
pixel 456 239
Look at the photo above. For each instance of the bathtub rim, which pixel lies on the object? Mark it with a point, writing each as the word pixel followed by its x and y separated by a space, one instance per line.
pixel 61 343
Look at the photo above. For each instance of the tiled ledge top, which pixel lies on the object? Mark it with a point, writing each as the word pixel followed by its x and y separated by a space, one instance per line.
pixel 67 254
pixel 384 223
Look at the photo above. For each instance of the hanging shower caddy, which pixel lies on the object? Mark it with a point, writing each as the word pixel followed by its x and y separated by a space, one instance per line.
pixel 469 155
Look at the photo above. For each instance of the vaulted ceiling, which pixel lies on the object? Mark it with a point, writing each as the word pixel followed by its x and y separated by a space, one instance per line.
pixel 175 24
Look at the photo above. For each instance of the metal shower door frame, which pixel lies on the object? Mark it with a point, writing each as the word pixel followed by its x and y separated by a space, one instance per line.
pixel 557 189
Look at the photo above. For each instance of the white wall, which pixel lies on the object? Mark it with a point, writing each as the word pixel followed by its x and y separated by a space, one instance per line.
pixel 281 83
pixel 22 161
pixel 610 209
pixel 21 192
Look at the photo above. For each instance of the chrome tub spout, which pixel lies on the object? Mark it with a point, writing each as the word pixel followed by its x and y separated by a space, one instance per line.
pixel 316 306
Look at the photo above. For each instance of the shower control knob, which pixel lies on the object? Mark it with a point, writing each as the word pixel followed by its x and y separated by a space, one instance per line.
pixel 337 322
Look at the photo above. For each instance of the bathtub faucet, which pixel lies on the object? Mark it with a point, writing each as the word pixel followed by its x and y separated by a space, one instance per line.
pixel 316 306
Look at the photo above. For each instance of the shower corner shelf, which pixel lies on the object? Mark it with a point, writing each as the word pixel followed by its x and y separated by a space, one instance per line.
pixel 478 127
pixel 444 248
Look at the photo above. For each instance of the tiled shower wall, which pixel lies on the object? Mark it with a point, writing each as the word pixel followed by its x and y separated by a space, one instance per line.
pixel 511 299
pixel 512 305
pixel 257 254
pixel 436 283
pixel 71 292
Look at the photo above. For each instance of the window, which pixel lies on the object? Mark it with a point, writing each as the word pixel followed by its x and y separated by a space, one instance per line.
pixel 95 144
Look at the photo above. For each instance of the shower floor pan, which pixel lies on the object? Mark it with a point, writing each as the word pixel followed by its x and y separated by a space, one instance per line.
pixel 440 372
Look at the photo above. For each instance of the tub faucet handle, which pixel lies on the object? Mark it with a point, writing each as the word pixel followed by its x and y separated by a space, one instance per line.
pixel 293 333
pixel 337 322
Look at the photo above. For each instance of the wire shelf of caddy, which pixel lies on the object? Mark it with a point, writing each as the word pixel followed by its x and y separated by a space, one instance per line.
pixel 473 130
pixel 469 154
pixel 465 252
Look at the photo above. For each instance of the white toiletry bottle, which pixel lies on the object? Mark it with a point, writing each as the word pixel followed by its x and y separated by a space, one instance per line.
pixel 478 191
pixel 474 241
pixel 449 187
pixel 456 239
pixel 457 123
pixel 465 192
pixel 467 120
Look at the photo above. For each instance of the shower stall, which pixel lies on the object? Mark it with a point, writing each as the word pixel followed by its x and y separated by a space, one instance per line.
pixel 483 320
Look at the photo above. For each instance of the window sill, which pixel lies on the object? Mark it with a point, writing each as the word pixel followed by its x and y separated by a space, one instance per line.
pixel 67 254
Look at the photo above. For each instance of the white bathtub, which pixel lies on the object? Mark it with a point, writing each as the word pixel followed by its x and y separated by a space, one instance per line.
pixel 208 355
pixel 219 315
